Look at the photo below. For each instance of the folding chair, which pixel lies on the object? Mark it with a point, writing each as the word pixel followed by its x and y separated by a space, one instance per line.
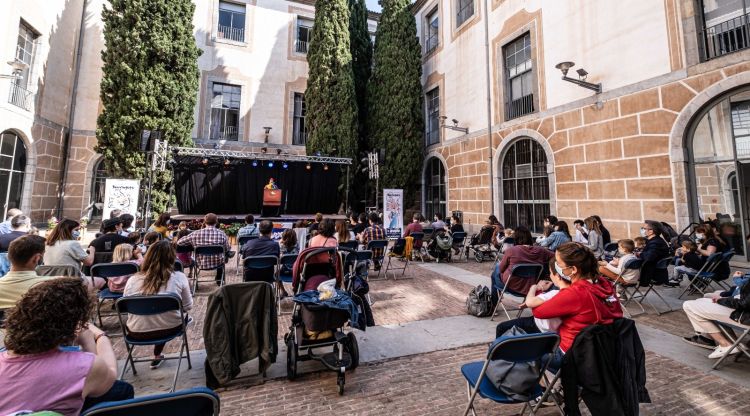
pixel 704 277
pixel 241 242
pixel 198 401
pixel 211 250
pixel 351 245
pixel 418 242
pixel 610 249
pixel 459 239
pixel 519 271
pixel 146 306
pixel 402 245
pixel 426 237
pixel 106 271
pixel 378 251
pixel 284 274
pixel 57 270
pixel 259 268
pixel 529 348
pixel 191 266
pixel 630 291
pixel 726 329
pixel 650 286
pixel 99 258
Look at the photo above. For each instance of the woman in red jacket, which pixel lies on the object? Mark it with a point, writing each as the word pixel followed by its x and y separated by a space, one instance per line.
pixel 589 300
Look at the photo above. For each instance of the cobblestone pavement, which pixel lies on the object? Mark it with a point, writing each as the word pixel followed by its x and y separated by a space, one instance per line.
pixel 432 384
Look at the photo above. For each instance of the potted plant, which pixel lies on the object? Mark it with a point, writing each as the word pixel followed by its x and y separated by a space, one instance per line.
pixel 231 231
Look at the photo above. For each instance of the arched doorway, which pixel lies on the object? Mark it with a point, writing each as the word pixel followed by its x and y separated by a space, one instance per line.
pixel 718 144
pixel 525 185
pixel 98 180
pixel 434 188
pixel 12 169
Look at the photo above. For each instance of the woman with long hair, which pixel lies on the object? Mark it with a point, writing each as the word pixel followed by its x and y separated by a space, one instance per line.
pixel 288 243
pixel 559 235
pixel 342 232
pixel 157 276
pixel 595 240
pixel 64 249
pixel 161 225
pixel 325 236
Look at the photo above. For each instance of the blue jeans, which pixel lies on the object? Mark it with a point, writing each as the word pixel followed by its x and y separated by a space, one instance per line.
pixel 497 284
pixel 119 391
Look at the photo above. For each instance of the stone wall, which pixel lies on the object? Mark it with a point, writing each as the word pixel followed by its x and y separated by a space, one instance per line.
pixel 48 144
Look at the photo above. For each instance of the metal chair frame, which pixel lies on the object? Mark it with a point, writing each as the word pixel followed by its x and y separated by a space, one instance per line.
pixel 211 249
pixel 241 242
pixel 726 329
pixel 418 237
pixel 376 245
pixel 105 271
pixel 523 271
pixel 284 260
pixel 459 237
pixel 391 256
pixel 703 279
pixel 156 404
pixel 635 293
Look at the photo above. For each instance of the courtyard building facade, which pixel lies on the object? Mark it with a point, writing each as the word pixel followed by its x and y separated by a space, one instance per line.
pixel 666 139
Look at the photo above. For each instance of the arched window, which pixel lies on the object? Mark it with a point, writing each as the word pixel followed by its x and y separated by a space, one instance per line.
pixel 525 186
pixel 434 188
pixel 12 168
pixel 97 188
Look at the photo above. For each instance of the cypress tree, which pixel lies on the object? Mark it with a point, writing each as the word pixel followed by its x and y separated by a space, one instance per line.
pixel 150 79
pixel 330 97
pixel 396 119
pixel 361 47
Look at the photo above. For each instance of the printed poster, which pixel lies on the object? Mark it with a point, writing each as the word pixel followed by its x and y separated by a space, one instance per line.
pixel 121 194
pixel 393 212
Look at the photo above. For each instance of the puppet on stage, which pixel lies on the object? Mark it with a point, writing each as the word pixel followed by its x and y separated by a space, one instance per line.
pixel 271 185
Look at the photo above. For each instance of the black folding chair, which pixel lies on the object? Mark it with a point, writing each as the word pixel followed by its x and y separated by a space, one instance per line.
pixel 148 306
pixel 284 275
pixel 529 272
pixel 737 341
pixel 198 401
pixel 191 266
pixel 701 281
pixel 210 250
pixel 241 241
pixel 378 251
pixel 259 268
pixel 650 286
pixel 351 244
pixel 459 240
pixel 105 271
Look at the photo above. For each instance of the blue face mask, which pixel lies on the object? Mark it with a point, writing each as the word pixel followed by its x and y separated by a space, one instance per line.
pixel 76 234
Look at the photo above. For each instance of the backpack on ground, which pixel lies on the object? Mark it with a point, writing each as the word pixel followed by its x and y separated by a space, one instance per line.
pixel 479 302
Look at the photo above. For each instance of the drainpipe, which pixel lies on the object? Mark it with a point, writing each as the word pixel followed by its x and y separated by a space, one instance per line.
pixel 489 102
pixel 71 114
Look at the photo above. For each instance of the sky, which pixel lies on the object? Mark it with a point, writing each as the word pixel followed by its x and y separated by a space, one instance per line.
pixel 373 5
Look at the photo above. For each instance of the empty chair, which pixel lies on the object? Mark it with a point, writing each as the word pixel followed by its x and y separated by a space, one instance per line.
pixel 198 401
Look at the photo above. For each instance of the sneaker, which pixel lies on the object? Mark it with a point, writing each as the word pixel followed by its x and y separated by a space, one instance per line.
pixel 722 351
pixel 157 362
pixel 700 341
pixel 673 283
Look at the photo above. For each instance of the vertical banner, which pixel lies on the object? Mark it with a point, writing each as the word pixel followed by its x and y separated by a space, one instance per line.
pixel 393 212
pixel 121 194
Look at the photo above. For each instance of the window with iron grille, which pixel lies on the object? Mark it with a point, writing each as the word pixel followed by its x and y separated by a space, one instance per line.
pixel 12 170
pixel 433 27
pixel 19 94
pixel 299 129
pixel 231 21
pixel 464 10
pixel 432 132
pixel 225 111
pixel 519 95
pixel 525 185
pixel 304 34
pixel 725 27
pixel 434 188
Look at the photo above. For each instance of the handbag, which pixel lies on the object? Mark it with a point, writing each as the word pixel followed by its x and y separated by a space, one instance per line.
pixel 516 380
pixel 479 301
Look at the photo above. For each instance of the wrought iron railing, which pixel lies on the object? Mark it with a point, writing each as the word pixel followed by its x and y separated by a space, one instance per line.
pixel 231 33
pixel 726 37
pixel 301 46
pixel 20 96
pixel 519 107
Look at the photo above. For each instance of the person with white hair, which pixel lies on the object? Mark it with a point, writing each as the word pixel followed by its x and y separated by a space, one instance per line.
pixel 20 226
pixel 5 226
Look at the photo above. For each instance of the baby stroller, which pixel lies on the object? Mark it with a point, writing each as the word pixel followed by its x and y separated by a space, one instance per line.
pixel 440 246
pixel 317 326
pixel 482 245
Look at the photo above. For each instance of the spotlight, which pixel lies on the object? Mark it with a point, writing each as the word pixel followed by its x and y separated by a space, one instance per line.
pixel 284 165
pixel 226 162
pixel 278 151
pixel 255 163
pixel 204 161
pixel 325 167
pixel 270 163
pixel 308 167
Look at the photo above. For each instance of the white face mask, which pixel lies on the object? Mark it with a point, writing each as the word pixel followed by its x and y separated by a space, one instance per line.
pixel 643 232
pixel 700 236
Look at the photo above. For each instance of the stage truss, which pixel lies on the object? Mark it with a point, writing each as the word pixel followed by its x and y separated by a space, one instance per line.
pixel 238 154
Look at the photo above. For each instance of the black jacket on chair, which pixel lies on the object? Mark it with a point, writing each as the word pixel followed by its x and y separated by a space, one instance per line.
pixel 608 362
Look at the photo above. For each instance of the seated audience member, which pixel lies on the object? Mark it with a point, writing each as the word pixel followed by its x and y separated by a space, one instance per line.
pixel 606 239
pixel 123 254
pixel 35 374
pixel 548 226
pixel 497 229
pixel 111 237
pixel 158 277
pixel 343 234
pixel 20 226
pixel 595 243
pixel 115 213
pixel 640 244
pixel 152 237
pixel 325 236
pixel 581 235
pixel 372 233
pixel 559 235
pixel 709 243
pixel 731 307
pixel 209 235
pixel 186 258
pixel 614 268
pixel 161 225
pixel 361 224
pixel 538 294
pixel 313 228
pixel 456 226
pixel 25 254
pixel 5 226
pixel 127 224
pixel 288 243
pixel 523 252
pixel 263 246
pixel 438 223
pixel 687 261
pixel 425 223
pixel 656 249
pixel 64 249
pixel 250 229
pixel 414 227
pixel 506 240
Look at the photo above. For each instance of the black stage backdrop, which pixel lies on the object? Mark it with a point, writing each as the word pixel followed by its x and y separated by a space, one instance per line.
pixel 238 187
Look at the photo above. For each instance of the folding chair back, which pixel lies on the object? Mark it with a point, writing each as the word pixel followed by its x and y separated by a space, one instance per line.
pixel 57 270
pixel 149 305
pixel 286 265
pixel 351 245
pixel 633 264
pixel 458 238
pixel 259 268
pixel 183 249
pixel 241 241
pixel 211 250
pixel 702 279
pixel 108 270
pixel 527 271
pixel 417 236
pixel 523 348
pixel 378 248
pixel 427 233
pixel 610 247
pixel 198 401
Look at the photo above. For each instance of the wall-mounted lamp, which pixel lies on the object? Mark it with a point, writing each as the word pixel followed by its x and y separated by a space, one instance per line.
pixel 454 127
pixel 267 133
pixel 582 74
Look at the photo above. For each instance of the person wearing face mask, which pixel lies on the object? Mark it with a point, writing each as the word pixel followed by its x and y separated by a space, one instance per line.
pixel 63 248
pixel 707 243
pixel 656 249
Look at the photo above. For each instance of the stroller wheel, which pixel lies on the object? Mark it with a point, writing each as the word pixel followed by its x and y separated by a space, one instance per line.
pixel 353 349
pixel 291 359
pixel 478 256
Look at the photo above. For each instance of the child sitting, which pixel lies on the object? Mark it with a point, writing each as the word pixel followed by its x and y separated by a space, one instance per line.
pixel 615 269
pixel 640 244
pixel 689 262
pixel 506 240
pixel 123 253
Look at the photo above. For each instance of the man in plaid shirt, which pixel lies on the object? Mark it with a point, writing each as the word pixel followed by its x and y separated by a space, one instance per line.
pixel 374 232
pixel 209 235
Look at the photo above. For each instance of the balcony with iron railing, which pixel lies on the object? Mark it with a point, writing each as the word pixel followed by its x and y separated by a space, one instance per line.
pixel 230 33
pixel 20 96
pixel 519 107
pixel 301 46
pixel 726 37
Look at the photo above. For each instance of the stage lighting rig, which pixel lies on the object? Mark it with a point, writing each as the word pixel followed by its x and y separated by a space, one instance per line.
pixel 285 165
pixel 325 166
pixel 270 163
pixel 204 161
pixel 254 163
pixel 308 166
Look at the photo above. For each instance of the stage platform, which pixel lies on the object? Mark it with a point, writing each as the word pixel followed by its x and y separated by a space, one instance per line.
pixel 233 218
